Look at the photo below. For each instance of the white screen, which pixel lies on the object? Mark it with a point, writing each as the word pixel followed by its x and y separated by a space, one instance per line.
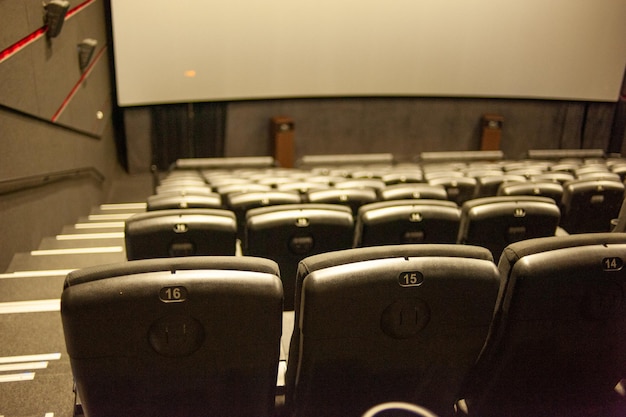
pixel 249 49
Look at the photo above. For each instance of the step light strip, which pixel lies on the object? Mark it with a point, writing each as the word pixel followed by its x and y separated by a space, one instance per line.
pixel 25 363
pixel 89 236
pixel 36 274
pixel 118 216
pixel 23 366
pixel 36 306
pixel 124 206
pixel 25 376
pixel 31 358
pixel 77 251
pixel 103 225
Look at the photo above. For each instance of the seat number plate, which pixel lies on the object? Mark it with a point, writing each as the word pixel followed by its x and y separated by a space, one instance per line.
pixel 612 264
pixel 173 294
pixel 411 279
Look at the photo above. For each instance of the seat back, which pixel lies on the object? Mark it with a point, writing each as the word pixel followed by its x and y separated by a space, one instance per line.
pixel 351 197
pixel 407 221
pixel 240 203
pixel 401 323
pixel 590 205
pixel 182 232
pixel 175 337
pixel 414 191
pixel 495 222
pixel 550 189
pixel 458 189
pixel 557 346
pixel 487 186
pixel 289 233
pixel 171 201
pixel 184 189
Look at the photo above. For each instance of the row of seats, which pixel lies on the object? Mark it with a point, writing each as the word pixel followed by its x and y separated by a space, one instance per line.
pixel 287 233
pixel 543 333
pixel 288 214
pixel 587 196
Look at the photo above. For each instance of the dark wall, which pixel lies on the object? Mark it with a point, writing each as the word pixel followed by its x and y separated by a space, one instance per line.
pixel 409 126
pixel 35 83
pixel 403 126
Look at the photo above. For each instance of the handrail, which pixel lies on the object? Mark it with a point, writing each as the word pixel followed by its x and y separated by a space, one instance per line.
pixel 19 184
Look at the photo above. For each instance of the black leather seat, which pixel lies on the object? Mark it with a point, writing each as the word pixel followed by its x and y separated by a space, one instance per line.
pixel 495 222
pixel 291 232
pixel 407 221
pixel 196 336
pixel 590 205
pixel 557 346
pixel 182 232
pixel 169 201
pixel 401 323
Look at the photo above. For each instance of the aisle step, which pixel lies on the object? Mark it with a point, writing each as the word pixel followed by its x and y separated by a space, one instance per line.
pixel 88 241
pixel 41 384
pixel 93 227
pixel 35 373
pixel 55 260
pixel 24 288
pixel 118 208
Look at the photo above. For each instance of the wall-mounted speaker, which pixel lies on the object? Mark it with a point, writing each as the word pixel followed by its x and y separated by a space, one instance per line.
pixel 55 16
pixel 85 52
pixel 491 132
pixel 282 140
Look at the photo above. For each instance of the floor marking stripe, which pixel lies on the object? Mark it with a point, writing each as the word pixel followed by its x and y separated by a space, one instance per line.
pixel 31 358
pixel 76 251
pixel 36 306
pixel 123 206
pixel 23 366
pixel 100 217
pixel 26 376
pixel 99 225
pixel 85 236
pixel 37 274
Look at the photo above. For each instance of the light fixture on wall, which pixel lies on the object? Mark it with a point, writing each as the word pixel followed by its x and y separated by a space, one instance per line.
pixel 55 16
pixel 85 52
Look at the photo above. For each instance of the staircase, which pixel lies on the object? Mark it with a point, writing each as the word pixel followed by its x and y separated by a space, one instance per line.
pixel 35 373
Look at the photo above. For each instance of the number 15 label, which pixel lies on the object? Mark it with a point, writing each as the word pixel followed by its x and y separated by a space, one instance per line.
pixel 411 279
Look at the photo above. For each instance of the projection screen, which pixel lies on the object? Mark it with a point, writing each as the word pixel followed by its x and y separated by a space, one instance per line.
pixel 206 50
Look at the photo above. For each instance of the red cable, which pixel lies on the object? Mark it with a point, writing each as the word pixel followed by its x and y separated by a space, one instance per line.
pixel 84 75
pixel 22 43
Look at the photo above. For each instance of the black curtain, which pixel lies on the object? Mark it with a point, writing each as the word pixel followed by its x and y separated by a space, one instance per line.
pixel 188 130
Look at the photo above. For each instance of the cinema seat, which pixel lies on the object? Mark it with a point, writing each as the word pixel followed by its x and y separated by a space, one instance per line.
pixel 184 189
pixel 589 205
pixel 458 189
pixel 351 197
pixel 174 337
pixel 240 203
pixel 414 191
pixel 407 221
pixel 289 233
pixel 487 186
pixel 388 323
pixel 550 189
pixel 182 232
pixel 495 222
pixel 175 201
pixel 557 346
